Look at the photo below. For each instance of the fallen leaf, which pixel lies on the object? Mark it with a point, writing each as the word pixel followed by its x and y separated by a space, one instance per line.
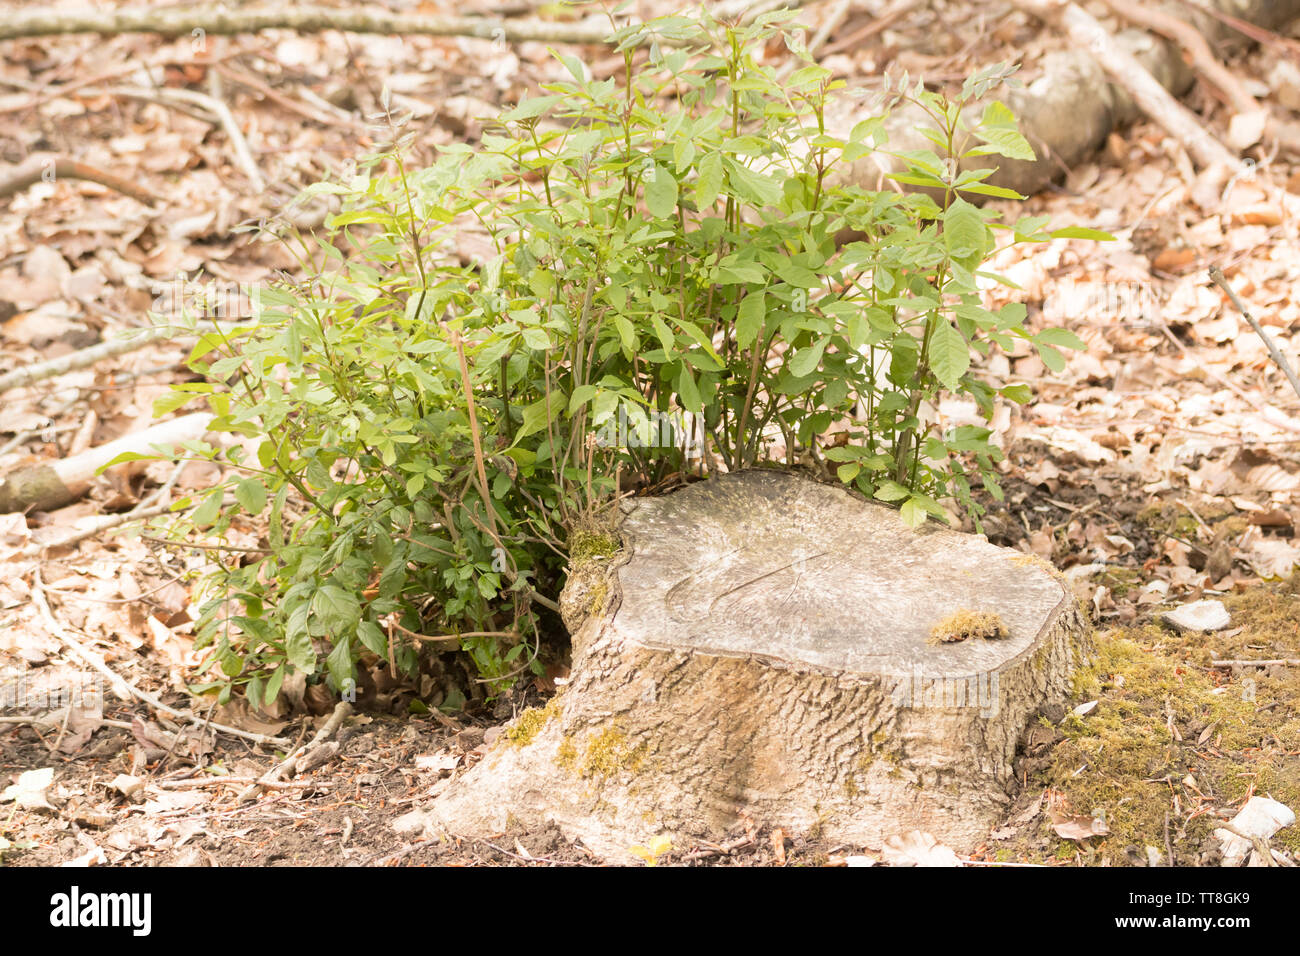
pixel 29 792
pixel 1078 827
pixel 917 848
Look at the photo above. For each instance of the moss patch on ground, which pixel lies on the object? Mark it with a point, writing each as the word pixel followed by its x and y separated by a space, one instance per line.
pixel 1169 519
pixel 1173 737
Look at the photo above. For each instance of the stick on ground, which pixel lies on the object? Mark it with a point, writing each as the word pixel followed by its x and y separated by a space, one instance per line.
pixel 289 766
pixel 50 168
pixel 1221 281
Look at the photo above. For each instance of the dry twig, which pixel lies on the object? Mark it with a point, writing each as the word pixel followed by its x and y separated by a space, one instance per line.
pixel 1221 281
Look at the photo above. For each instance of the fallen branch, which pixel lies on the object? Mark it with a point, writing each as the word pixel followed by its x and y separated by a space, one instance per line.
pixel 131 342
pixel 1221 281
pixel 384 859
pixel 1268 38
pixel 723 849
pixel 230 782
pixel 879 24
pixel 52 168
pixel 222 21
pixel 41 723
pixel 146 509
pixel 155 504
pixel 289 766
pixel 1203 60
pixel 46 487
pixel 1250 120
pixel 1125 70
pixel 1275 662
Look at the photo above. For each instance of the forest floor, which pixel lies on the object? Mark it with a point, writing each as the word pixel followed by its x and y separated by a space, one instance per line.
pixel 1158 469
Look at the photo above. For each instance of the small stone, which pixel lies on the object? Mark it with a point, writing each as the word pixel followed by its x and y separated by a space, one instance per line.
pixel 1198 616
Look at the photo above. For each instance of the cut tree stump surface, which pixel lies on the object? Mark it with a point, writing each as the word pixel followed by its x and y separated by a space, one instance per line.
pixel 761 648
pixel 798 571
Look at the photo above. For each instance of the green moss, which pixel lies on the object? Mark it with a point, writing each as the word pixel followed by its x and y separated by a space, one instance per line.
pixel 596 599
pixel 530 723
pixel 586 544
pixel 608 752
pixel 566 757
pixel 1170 735
pixel 1120 581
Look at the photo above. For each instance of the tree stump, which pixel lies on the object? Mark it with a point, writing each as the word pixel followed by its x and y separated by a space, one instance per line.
pixel 770 645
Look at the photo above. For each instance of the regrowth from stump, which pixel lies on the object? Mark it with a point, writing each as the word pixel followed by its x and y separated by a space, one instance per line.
pixel 764 648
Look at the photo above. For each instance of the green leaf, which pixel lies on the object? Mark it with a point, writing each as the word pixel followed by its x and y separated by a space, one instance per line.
pixel 208 512
pixel 688 391
pixel 373 638
pixel 339 662
pixel 1061 338
pixel 125 457
pixel 998 128
pixel 733 271
pixel 337 609
pixel 891 490
pixel 709 183
pixel 530 108
pixel 949 354
pixel 626 332
pixel 298 646
pixel 749 318
pixel 537 416
pixel 273 687
pixel 666 337
pixel 167 403
pixel 753 187
pixel 1081 232
pixel 1018 393
pixel 964 233
pixel 661 192
pixel 581 395
pixel 251 495
pixel 1053 359
pixel 536 339
pixel 988 189
pixel 918 179
pixel 807 359
pixel 913 512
